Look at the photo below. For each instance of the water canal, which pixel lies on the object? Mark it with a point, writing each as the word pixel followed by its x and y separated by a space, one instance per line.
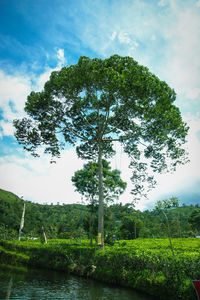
pixel 45 285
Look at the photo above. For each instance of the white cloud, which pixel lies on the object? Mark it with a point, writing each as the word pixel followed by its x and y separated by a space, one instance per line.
pixel 42 78
pixel 14 90
pixel 124 37
pixel 38 180
pixel 193 144
pixel 113 36
pixel 6 129
pixel 185 175
pixel 193 93
pixel 61 58
pixel 182 34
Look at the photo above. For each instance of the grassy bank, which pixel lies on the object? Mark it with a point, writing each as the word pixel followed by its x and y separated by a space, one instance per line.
pixel 143 264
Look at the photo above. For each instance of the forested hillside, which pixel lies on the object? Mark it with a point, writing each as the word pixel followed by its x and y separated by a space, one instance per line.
pixel 75 220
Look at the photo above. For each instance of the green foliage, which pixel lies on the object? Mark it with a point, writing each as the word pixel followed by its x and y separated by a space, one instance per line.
pixel 63 221
pixel 148 265
pixel 167 203
pixel 98 101
pixel 86 182
pixel 56 219
pixel 131 227
pixel 194 219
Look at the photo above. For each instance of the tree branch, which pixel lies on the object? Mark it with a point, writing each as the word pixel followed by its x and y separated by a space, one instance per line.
pixel 84 117
pixel 76 134
pixel 107 117
pixel 118 124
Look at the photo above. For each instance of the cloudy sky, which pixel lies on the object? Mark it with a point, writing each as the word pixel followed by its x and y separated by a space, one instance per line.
pixel 39 36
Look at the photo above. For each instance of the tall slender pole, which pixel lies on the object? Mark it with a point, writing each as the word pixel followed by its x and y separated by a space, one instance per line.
pixel 45 238
pixel 22 222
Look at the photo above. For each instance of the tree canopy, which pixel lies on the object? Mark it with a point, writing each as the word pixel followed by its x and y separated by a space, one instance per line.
pixel 95 102
pixel 86 182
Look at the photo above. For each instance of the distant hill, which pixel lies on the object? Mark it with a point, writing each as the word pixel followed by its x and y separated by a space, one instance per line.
pixel 53 217
pixel 10 209
pixel 9 197
pixel 65 220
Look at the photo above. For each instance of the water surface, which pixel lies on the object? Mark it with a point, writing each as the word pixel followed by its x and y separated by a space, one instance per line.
pixel 45 285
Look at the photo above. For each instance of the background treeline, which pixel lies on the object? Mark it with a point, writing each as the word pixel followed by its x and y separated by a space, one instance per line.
pixel 75 220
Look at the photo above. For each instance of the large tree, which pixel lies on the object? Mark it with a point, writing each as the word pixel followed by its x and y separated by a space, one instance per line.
pixel 97 101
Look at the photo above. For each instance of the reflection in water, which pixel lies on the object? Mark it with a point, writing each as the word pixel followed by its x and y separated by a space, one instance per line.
pixel 9 289
pixel 46 285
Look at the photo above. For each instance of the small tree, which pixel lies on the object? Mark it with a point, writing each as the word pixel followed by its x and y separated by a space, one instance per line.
pixel 163 206
pixel 95 102
pixel 86 183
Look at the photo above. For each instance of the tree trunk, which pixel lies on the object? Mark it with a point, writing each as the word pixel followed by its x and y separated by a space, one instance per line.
pixel 169 233
pixel 90 228
pixel 101 204
pixel 135 232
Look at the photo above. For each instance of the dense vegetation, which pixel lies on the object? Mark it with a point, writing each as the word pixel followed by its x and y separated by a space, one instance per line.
pixel 73 220
pixel 143 264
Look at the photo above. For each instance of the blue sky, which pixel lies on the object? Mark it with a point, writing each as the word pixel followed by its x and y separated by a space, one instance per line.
pixel 39 36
